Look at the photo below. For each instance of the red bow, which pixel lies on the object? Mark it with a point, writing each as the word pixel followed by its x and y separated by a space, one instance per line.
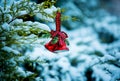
pixel 61 36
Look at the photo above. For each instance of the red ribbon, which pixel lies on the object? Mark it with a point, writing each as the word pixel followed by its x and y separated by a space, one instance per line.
pixel 60 44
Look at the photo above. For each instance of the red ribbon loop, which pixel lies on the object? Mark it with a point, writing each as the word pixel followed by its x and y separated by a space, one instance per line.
pixel 61 36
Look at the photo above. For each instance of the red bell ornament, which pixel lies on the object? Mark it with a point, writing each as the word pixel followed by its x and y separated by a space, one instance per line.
pixel 60 36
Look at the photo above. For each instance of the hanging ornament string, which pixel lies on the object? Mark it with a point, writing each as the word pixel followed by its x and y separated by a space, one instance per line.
pixel 60 36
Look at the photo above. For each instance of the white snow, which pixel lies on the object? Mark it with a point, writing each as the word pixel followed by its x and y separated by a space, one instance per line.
pixel 41 26
pixel 22 13
pixel 40 16
pixel 6 27
pixel 50 10
pixel 41 52
pixel 16 21
pixel 101 74
pixel 9 50
pixel 64 64
pixel 21 71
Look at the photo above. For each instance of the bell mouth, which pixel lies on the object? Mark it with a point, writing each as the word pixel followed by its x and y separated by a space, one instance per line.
pixel 56 48
pixel 58 51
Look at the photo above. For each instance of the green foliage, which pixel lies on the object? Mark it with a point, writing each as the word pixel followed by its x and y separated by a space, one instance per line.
pixel 64 18
pixel 17 35
pixel 44 34
pixel 98 53
pixel 30 9
pixel 67 42
pixel 54 40
pixel 48 3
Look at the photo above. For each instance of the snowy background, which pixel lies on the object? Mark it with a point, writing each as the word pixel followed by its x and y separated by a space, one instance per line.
pixel 94 53
pixel 94 50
